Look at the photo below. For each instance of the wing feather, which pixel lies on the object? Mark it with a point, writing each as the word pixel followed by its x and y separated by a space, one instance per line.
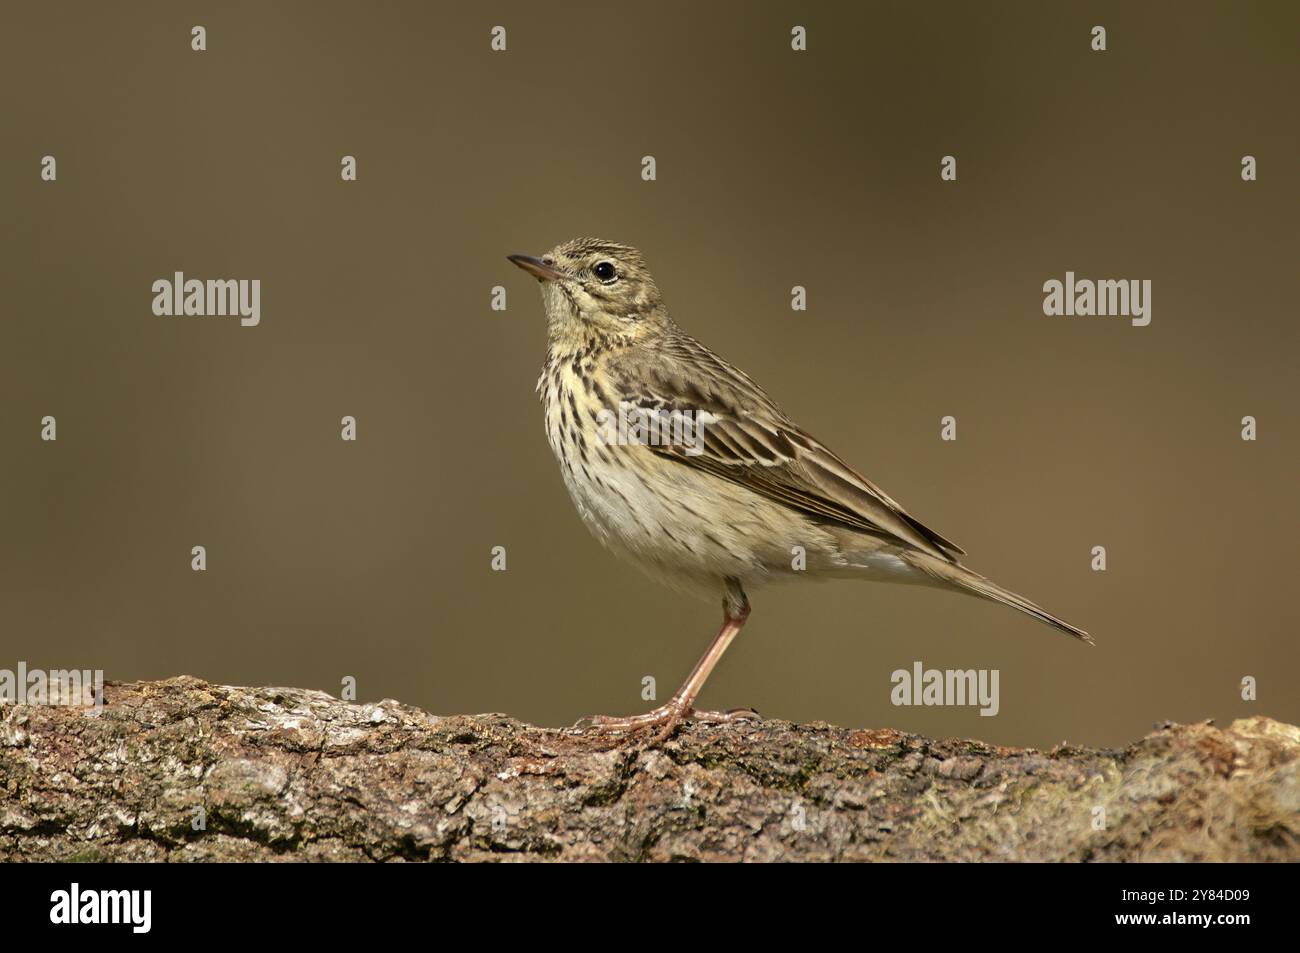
pixel 749 441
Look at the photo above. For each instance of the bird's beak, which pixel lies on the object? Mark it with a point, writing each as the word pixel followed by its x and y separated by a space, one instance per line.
pixel 541 270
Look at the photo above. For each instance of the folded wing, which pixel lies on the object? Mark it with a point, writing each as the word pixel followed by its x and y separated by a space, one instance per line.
pixel 747 440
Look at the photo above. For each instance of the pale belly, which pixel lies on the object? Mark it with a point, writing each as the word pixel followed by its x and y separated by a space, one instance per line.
pixel 686 528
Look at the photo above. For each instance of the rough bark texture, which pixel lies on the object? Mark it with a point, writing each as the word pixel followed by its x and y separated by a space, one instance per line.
pixel 286 774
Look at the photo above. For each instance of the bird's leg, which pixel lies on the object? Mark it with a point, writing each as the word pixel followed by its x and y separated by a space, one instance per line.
pixel 735 609
pixel 668 716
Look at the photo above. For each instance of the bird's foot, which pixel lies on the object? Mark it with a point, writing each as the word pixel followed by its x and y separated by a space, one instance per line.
pixel 665 718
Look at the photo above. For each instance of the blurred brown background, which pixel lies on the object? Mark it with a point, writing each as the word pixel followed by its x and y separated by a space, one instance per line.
pixel 371 559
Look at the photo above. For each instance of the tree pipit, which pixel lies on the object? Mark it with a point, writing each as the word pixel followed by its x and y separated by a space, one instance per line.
pixel 679 462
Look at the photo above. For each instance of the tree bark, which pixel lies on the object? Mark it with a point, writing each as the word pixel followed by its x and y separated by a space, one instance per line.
pixel 184 770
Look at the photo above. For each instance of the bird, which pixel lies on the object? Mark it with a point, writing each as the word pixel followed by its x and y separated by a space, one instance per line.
pixel 679 462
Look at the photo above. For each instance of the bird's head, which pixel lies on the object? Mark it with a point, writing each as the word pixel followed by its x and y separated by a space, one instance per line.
pixel 592 287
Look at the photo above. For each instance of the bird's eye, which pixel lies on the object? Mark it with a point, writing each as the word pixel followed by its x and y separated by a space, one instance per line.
pixel 604 270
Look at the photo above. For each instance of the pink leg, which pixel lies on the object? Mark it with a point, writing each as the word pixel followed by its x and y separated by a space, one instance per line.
pixel 667 717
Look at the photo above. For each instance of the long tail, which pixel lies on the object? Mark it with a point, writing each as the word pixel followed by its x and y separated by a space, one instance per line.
pixel 959 577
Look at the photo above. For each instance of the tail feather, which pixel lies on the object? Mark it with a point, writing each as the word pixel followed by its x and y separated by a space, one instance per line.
pixel 959 577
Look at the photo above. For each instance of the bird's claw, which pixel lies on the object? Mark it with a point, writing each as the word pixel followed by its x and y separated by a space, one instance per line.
pixel 724 717
pixel 666 718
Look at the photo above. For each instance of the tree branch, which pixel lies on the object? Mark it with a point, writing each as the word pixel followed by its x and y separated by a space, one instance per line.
pixel 272 773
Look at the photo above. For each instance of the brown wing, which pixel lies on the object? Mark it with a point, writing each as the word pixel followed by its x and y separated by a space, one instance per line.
pixel 749 441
